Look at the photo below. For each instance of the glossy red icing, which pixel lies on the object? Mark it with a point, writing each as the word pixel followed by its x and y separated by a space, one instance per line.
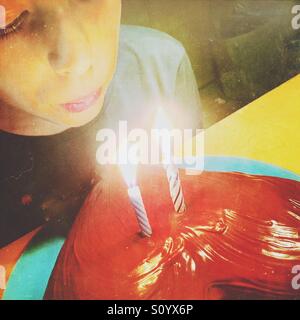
pixel 238 239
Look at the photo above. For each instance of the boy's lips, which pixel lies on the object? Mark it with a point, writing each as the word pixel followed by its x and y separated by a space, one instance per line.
pixel 83 103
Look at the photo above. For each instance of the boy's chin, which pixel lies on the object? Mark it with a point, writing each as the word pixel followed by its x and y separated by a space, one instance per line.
pixel 81 119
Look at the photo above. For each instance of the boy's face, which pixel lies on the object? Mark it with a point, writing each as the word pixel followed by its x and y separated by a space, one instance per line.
pixel 57 60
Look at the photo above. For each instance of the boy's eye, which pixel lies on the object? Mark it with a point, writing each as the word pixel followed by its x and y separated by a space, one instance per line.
pixel 15 25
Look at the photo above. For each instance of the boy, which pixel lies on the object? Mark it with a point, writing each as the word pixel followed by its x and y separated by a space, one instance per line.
pixel 66 70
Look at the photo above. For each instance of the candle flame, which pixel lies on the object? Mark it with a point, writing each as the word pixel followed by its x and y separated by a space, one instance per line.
pixel 163 124
pixel 161 119
pixel 129 173
pixel 129 170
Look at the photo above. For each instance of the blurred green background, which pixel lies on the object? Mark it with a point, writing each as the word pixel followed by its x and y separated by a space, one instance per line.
pixel 240 49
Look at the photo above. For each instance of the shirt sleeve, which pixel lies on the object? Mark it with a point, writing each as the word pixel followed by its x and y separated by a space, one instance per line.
pixel 153 69
pixel 187 112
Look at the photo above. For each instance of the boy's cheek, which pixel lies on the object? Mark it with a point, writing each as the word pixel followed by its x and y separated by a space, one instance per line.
pixel 104 13
pixel 26 74
pixel 20 82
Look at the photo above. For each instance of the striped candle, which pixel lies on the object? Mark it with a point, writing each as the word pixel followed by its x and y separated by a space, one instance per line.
pixel 175 188
pixel 137 202
pixel 129 172
pixel 165 141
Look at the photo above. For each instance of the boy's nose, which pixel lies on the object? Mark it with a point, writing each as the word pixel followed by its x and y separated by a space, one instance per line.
pixel 70 53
